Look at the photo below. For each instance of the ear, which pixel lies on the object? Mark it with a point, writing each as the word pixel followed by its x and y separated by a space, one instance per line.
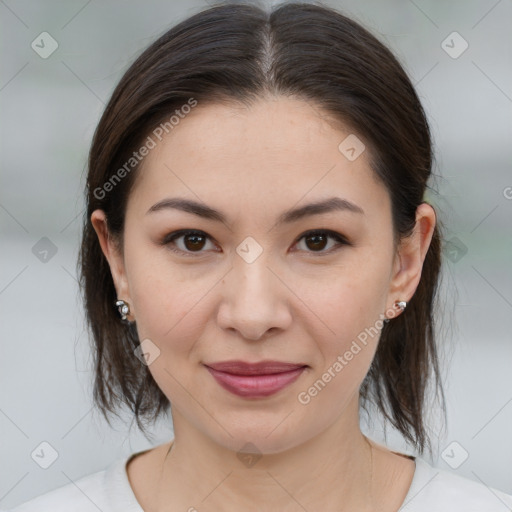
pixel 114 257
pixel 410 256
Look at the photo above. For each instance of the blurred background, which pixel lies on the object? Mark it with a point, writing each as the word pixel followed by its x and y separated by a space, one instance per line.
pixel 60 63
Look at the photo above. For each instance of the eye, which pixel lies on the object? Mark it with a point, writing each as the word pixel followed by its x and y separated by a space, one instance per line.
pixel 193 241
pixel 317 240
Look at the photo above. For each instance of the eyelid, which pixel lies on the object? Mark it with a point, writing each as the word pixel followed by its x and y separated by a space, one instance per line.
pixel 340 239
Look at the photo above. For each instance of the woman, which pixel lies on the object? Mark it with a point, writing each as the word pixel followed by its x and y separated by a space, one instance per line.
pixel 258 255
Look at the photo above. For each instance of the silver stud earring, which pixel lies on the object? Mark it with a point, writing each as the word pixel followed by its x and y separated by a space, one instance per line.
pixel 123 308
pixel 401 304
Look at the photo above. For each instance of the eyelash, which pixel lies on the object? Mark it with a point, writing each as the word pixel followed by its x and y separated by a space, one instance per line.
pixel 171 237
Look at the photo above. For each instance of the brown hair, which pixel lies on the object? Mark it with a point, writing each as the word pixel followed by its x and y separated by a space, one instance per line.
pixel 237 52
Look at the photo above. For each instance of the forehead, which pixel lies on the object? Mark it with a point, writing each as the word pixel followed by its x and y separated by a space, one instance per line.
pixel 274 153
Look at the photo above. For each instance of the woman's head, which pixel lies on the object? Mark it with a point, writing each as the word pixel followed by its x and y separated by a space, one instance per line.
pixel 253 115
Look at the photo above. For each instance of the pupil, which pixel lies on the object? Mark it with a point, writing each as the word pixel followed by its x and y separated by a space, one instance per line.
pixel 317 238
pixel 196 241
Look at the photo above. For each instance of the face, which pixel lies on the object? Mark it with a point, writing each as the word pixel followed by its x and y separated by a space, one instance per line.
pixel 251 283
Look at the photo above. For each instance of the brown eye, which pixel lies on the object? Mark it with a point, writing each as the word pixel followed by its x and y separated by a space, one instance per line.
pixel 193 242
pixel 189 242
pixel 317 241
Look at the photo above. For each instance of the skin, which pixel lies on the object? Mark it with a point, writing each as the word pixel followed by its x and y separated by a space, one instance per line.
pixel 290 304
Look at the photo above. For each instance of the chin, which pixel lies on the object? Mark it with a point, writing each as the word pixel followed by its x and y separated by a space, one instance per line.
pixel 259 437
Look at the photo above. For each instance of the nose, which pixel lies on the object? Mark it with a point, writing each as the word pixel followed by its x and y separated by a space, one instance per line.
pixel 254 300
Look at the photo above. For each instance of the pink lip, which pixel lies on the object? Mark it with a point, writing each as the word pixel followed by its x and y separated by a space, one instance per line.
pixel 255 380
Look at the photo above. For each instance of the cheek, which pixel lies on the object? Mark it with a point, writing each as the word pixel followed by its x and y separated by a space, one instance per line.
pixel 351 300
pixel 351 307
pixel 166 300
pixel 350 304
pixel 170 313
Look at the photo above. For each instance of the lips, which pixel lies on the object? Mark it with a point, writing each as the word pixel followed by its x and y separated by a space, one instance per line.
pixel 255 380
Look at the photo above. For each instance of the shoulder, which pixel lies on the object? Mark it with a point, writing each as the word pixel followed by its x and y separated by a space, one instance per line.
pixel 439 490
pixel 107 490
pixel 83 495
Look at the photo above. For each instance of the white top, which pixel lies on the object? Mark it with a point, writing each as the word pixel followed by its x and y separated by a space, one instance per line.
pixel 431 490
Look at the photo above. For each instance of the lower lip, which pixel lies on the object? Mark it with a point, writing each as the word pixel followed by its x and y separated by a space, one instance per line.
pixel 255 386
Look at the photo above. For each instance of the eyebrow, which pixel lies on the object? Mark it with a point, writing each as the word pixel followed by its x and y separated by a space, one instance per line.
pixel 293 215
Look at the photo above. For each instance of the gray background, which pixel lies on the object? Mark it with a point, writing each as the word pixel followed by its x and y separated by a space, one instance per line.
pixel 49 109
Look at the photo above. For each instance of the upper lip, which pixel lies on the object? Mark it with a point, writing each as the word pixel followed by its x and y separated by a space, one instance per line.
pixel 237 367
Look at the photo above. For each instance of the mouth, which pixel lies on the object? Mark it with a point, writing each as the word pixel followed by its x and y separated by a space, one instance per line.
pixel 255 380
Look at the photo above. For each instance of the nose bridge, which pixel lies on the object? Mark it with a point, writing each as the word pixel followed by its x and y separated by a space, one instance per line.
pixel 253 298
pixel 253 281
pixel 251 261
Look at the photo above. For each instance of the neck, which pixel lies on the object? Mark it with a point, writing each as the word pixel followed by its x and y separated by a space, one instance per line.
pixel 332 471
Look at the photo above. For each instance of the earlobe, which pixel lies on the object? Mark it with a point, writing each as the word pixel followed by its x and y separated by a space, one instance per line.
pixel 411 255
pixel 112 254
